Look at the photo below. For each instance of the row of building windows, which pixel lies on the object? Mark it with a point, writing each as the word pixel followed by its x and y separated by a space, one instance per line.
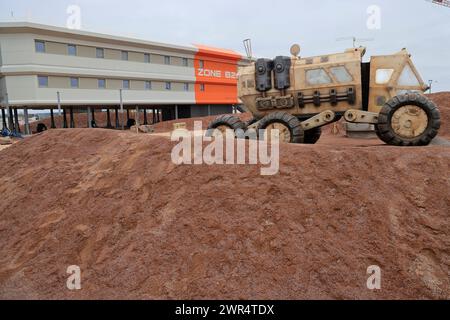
pixel 72 50
pixel 102 84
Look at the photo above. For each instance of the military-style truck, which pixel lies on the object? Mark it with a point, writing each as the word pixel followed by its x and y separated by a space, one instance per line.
pixel 298 96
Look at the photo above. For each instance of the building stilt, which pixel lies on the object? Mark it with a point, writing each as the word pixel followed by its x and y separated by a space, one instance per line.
pixel 16 120
pixel 93 123
pixel 117 118
pixel 108 119
pixel 128 115
pixel 145 116
pixel 4 126
pixel 27 122
pixel 11 120
pixel 72 120
pixel 52 118
pixel 64 118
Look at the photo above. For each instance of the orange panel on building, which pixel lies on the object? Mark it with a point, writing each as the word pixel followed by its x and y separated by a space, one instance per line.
pixel 216 76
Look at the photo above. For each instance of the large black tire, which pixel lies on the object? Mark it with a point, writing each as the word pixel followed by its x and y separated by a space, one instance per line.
pixel 386 132
pixel 291 122
pixel 229 121
pixel 130 123
pixel 41 127
pixel 313 135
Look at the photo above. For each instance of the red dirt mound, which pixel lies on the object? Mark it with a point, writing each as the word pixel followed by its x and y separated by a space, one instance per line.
pixel 442 100
pixel 139 226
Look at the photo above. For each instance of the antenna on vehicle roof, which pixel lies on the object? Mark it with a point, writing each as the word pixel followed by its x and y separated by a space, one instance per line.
pixel 248 48
pixel 354 39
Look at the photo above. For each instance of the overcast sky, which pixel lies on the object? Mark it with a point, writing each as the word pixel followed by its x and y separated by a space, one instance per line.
pixel 420 26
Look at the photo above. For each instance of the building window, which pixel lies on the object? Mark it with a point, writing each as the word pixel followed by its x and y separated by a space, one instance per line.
pixel 40 46
pixel 125 55
pixel 168 86
pixel 186 87
pixel 201 64
pixel 43 81
pixel 101 83
pixel 147 57
pixel 74 82
pixel 148 85
pixel 166 60
pixel 185 62
pixel 72 50
pixel 126 84
pixel 202 87
pixel 100 53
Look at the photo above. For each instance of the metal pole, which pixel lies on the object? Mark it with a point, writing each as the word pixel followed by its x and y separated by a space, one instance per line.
pixel 89 117
pixel 27 123
pixel 137 117
pixel 121 110
pixel 117 117
pixel 176 112
pixel 58 97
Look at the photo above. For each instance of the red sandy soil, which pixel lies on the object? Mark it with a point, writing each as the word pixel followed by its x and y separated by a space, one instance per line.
pixel 139 226
pixel 113 203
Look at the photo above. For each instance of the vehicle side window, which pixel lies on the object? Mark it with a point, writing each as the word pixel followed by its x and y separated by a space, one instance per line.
pixel 408 78
pixel 341 74
pixel 317 77
pixel 383 76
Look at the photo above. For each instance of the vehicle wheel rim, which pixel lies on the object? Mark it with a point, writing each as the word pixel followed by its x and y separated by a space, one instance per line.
pixel 409 121
pixel 284 134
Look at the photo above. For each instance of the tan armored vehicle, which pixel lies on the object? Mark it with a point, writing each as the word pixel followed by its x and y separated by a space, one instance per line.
pixel 298 96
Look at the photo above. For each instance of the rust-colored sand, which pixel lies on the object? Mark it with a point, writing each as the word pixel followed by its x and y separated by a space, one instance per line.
pixel 139 226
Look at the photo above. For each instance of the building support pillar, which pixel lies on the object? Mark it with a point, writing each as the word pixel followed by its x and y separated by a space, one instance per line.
pixel 27 122
pixel 145 116
pixel 117 118
pixel 209 109
pixel 65 118
pixel 108 119
pixel 11 120
pixel 4 119
pixel 89 117
pixel 52 118
pixel 72 120
pixel 128 114
pixel 16 120
pixel 176 112
pixel 93 123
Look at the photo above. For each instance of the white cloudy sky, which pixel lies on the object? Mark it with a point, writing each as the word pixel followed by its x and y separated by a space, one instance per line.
pixel 420 26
